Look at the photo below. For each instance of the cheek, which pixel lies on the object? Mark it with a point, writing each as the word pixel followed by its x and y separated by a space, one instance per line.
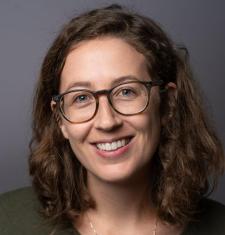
pixel 78 134
pixel 151 128
pixel 76 138
pixel 75 133
pixel 149 122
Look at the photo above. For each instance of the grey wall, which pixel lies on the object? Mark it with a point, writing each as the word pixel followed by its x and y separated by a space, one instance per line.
pixel 27 28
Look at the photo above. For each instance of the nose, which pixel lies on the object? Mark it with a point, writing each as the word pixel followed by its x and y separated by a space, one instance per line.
pixel 106 118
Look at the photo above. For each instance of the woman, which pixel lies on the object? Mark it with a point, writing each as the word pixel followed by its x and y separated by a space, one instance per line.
pixel 120 142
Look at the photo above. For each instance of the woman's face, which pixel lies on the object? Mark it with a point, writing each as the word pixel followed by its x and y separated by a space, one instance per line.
pixel 96 65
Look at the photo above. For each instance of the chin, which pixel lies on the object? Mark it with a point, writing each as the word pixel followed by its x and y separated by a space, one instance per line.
pixel 120 175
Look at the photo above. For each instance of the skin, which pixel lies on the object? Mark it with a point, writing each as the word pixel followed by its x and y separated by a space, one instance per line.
pixel 113 182
pixel 101 59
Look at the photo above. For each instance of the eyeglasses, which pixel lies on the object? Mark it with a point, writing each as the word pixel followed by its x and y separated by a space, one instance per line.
pixel 129 98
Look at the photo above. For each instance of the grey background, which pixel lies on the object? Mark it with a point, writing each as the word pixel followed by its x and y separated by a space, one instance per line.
pixel 27 28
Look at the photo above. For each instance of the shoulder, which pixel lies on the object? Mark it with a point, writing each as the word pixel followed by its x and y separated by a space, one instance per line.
pixel 210 219
pixel 211 208
pixel 23 194
pixel 18 203
pixel 212 213
pixel 19 214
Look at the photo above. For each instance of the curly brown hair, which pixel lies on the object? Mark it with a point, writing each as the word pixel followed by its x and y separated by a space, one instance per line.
pixel 189 157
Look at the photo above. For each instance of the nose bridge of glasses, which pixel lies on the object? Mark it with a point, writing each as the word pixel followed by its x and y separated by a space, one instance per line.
pixel 104 92
pixel 108 103
pixel 107 118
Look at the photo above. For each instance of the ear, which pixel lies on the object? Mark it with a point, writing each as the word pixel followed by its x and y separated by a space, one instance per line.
pixel 171 88
pixel 59 120
pixel 53 105
pixel 171 94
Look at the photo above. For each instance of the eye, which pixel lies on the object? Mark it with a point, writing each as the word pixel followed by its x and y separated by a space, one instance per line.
pixel 127 92
pixel 81 99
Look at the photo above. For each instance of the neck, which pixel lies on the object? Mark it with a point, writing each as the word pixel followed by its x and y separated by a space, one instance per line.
pixel 122 208
pixel 122 203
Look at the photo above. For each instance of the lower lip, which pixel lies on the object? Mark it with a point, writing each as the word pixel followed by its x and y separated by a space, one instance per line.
pixel 113 154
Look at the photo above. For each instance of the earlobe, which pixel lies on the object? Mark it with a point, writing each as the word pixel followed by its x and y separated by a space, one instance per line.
pixel 53 105
pixel 171 89
pixel 54 111
pixel 58 119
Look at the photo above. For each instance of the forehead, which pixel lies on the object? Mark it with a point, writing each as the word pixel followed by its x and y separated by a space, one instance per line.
pixel 100 61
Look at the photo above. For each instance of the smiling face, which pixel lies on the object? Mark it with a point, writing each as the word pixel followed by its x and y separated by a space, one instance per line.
pixel 100 64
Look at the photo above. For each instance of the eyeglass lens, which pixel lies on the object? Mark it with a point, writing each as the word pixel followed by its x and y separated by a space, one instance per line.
pixel 80 106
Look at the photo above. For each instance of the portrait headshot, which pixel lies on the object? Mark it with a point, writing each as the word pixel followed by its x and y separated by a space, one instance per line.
pixel 113 118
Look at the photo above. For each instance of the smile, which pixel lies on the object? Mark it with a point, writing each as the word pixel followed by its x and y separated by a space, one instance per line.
pixel 113 145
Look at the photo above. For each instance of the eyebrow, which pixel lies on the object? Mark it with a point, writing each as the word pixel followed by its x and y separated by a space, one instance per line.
pixel 115 82
pixel 124 79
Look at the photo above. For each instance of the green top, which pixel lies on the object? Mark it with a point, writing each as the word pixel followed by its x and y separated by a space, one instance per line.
pixel 19 216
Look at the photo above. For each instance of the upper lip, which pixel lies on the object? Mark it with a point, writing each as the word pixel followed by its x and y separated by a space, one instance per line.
pixel 112 139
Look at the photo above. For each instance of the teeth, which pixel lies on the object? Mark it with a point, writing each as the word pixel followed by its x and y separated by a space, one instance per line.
pixel 112 146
